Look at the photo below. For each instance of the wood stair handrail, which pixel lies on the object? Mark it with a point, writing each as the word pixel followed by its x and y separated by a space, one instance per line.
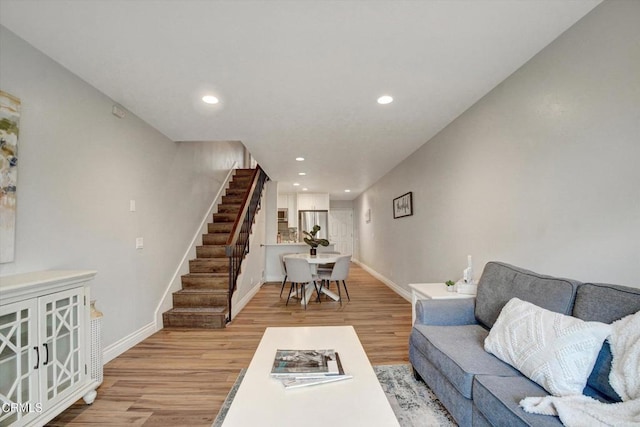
pixel 235 248
pixel 235 231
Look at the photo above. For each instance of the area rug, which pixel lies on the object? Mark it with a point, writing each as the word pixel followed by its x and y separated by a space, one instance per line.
pixel 412 401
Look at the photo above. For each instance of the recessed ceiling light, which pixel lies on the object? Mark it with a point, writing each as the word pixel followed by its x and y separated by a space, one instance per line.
pixel 300 159
pixel 385 99
pixel 305 189
pixel 295 184
pixel 301 173
pixel 347 191
pixel 210 99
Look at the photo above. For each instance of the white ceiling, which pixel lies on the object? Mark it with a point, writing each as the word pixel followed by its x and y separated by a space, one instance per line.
pixel 297 78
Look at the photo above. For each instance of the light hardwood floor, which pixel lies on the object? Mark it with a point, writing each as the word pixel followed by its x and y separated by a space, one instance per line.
pixel 180 377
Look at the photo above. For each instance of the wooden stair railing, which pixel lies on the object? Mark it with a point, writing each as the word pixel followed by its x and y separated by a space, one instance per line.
pixel 237 246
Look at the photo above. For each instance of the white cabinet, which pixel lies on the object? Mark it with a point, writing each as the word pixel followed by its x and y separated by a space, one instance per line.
pixel 288 201
pixel 292 207
pixel 44 345
pixel 313 201
pixel 283 201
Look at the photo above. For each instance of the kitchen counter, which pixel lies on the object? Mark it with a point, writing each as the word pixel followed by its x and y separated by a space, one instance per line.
pixel 287 244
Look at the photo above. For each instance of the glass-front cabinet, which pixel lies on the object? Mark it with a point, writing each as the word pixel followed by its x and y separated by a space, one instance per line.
pixel 44 345
pixel 61 343
pixel 18 357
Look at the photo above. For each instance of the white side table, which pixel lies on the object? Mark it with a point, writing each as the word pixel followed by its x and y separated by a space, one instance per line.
pixel 431 291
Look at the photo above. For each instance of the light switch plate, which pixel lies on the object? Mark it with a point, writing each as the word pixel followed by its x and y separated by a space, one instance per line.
pixel 139 242
pixel 132 205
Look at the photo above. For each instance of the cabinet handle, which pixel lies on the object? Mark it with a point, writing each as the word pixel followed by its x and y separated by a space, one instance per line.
pixel 37 357
pixel 46 347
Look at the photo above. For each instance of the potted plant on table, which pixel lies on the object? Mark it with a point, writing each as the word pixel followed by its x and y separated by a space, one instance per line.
pixel 313 241
pixel 450 285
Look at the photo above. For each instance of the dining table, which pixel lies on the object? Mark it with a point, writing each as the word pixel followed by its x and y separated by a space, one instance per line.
pixel 314 261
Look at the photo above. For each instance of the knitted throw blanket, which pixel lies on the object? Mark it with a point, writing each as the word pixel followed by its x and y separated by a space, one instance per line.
pixel 579 410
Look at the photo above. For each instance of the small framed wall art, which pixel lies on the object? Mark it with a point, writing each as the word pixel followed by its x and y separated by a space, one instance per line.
pixel 403 205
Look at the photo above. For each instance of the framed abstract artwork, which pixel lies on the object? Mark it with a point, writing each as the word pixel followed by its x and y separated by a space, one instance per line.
pixel 9 120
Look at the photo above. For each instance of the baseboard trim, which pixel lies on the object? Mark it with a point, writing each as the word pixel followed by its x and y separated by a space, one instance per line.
pixel 394 287
pixel 114 350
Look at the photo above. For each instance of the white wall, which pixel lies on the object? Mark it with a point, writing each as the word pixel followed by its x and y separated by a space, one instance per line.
pixel 78 168
pixel 541 173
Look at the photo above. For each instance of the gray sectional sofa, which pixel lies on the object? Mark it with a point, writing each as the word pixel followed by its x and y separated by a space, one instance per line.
pixel 446 347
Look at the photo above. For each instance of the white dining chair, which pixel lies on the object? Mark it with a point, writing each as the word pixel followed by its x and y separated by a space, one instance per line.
pixel 284 270
pixel 324 268
pixel 338 274
pixel 299 274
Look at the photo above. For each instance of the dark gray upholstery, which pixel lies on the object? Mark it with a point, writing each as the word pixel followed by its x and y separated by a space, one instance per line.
pixel 500 282
pixel 497 400
pixel 441 345
pixel 458 406
pixel 445 312
pixel 605 303
pixel 446 347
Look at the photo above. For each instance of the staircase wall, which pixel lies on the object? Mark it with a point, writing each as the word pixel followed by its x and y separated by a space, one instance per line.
pixel 183 267
pixel 79 168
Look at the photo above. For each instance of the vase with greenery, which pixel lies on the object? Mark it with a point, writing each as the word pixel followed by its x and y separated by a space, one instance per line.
pixel 313 241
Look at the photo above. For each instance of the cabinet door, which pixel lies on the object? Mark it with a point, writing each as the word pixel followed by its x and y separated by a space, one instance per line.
pixel 293 210
pixel 18 362
pixel 61 343
pixel 305 202
pixel 321 201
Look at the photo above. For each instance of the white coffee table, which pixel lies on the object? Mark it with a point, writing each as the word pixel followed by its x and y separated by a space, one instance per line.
pixel 263 401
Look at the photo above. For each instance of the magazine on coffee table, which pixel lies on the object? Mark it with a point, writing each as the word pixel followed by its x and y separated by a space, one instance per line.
pixel 295 382
pixel 304 363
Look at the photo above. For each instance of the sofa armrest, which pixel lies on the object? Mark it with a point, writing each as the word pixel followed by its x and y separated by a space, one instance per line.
pixel 446 312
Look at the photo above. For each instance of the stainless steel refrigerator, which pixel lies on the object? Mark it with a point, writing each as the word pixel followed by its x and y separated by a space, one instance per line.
pixel 306 221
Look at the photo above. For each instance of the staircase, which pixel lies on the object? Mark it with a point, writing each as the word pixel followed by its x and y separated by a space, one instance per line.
pixel 203 301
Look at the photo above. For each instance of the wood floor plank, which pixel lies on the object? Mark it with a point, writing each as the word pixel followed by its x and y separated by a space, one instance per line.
pixel 181 377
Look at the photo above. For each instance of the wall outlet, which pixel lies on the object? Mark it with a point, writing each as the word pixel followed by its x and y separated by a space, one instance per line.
pixel 139 242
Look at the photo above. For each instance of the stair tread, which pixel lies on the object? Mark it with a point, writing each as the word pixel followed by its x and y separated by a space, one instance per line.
pixel 204 275
pixel 202 291
pixel 199 310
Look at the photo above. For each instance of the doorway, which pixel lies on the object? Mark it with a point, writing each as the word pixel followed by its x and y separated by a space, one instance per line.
pixel 341 229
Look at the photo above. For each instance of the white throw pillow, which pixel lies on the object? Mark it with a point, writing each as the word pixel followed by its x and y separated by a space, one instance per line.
pixel 556 351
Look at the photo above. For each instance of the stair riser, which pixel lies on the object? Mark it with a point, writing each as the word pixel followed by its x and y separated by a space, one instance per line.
pixel 232 200
pixel 228 208
pixel 220 227
pixel 237 192
pixel 210 265
pixel 200 300
pixel 211 251
pixel 218 284
pixel 240 183
pixel 208 321
pixel 225 217
pixel 215 239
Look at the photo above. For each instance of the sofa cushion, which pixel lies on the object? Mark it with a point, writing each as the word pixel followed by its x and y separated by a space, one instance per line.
pixel 605 303
pixel 500 282
pixel 498 398
pixel 556 351
pixel 458 353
